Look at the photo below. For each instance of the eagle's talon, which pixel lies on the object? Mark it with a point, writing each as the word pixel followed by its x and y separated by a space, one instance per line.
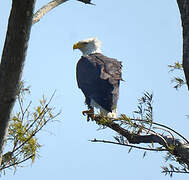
pixel 89 113
pixel 85 113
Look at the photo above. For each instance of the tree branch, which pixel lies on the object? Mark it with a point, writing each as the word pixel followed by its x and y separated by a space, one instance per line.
pixel 179 172
pixel 164 126
pixel 128 145
pixel 45 9
pixel 135 138
pixel 51 5
pixel 174 146
pixel 16 163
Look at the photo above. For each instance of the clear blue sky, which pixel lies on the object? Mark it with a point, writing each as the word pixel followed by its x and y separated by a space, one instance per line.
pixel 146 36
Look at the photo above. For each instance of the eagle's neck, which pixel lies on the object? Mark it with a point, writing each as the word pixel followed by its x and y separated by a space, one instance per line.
pixel 91 51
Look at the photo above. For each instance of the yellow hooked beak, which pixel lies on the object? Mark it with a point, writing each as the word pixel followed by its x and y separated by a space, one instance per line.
pixel 78 45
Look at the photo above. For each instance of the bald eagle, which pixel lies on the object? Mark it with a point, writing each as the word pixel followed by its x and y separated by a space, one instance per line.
pixel 98 77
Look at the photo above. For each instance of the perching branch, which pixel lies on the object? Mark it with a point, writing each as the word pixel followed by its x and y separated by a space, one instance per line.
pixel 137 138
pixel 141 129
pixel 176 147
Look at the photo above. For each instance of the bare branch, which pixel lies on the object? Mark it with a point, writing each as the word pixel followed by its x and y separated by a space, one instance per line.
pixel 51 5
pixel 45 9
pixel 174 171
pixel 128 145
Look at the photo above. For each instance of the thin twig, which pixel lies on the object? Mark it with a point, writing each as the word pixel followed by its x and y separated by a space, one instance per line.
pixel 16 163
pixel 39 116
pixel 166 131
pixel 137 147
pixel 14 150
pixel 20 105
pixel 32 135
pixel 43 112
pixel 154 133
pixel 162 125
pixel 173 171
pixel 26 109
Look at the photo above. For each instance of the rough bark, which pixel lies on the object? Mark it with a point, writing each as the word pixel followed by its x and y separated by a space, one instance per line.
pixel 13 57
pixel 184 11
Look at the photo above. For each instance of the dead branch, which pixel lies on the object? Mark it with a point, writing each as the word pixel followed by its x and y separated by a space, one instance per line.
pixel 45 9
pixel 51 5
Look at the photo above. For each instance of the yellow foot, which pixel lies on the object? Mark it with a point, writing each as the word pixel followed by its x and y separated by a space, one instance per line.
pixel 89 113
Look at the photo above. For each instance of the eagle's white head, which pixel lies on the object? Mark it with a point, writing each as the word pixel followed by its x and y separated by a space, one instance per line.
pixel 88 46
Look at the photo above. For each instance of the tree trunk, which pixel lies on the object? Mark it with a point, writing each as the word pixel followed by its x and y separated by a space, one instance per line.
pixel 13 58
pixel 184 11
